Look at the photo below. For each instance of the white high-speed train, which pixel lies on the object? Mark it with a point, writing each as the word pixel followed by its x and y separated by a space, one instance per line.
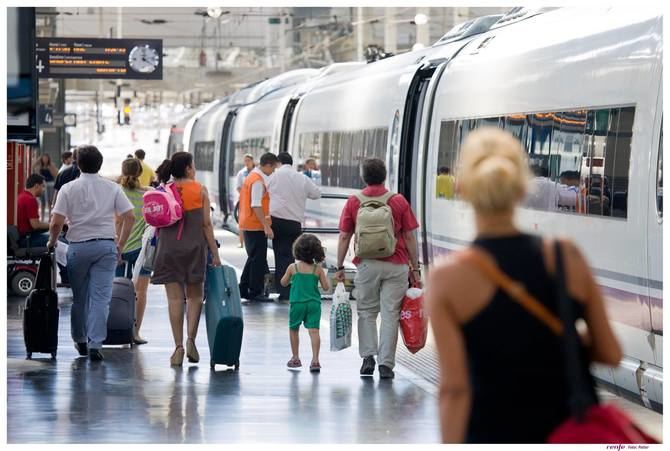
pixel 580 87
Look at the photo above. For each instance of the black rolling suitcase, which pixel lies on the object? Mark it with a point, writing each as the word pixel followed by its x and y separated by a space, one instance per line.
pixel 121 319
pixel 41 312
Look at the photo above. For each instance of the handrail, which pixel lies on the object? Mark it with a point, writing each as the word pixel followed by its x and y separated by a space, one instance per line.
pixel 335 196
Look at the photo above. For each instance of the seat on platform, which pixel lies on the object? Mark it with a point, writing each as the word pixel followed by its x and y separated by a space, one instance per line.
pixel 13 248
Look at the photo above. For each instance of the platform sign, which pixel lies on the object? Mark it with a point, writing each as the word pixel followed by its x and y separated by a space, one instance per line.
pixel 99 58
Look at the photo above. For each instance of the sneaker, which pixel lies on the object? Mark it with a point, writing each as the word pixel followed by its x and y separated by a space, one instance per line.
pixel 368 367
pixel 82 348
pixel 95 355
pixel 385 372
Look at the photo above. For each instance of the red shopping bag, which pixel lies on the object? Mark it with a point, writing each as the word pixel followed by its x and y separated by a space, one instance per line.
pixel 413 320
pixel 600 424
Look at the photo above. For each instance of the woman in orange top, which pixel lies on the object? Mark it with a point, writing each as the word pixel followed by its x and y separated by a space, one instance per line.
pixel 180 264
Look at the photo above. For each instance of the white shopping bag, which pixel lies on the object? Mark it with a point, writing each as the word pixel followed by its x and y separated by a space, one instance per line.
pixel 340 319
pixel 61 253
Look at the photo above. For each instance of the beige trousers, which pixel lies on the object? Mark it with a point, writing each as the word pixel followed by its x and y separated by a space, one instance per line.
pixel 380 287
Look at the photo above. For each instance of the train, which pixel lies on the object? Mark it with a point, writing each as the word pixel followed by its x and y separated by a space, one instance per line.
pixel 580 87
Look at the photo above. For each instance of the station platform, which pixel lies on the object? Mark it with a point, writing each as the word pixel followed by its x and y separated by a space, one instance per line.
pixel 134 396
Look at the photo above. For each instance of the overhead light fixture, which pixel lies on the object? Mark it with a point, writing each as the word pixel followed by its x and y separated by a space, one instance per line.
pixel 214 12
pixel 421 19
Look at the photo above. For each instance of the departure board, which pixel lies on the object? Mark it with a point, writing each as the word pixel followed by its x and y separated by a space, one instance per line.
pixel 99 58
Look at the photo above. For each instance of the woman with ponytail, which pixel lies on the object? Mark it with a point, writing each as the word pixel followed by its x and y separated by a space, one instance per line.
pixel 494 310
pixel 131 169
pixel 181 254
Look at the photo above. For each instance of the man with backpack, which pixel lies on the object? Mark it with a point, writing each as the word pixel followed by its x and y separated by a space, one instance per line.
pixel 382 224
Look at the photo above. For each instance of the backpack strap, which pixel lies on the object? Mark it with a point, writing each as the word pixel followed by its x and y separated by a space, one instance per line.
pixel 515 290
pixel 172 186
pixel 383 199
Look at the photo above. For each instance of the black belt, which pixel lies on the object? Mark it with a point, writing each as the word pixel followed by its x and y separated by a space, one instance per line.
pixel 92 239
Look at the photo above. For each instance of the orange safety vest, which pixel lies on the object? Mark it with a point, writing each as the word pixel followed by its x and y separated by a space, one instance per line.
pixel 248 219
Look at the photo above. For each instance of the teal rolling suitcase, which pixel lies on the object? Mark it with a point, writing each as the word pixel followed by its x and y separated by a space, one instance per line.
pixel 223 315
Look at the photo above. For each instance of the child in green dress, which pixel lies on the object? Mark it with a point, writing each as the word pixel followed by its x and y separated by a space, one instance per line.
pixel 305 300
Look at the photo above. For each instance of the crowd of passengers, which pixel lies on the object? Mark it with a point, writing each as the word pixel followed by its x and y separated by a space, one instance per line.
pixel 493 350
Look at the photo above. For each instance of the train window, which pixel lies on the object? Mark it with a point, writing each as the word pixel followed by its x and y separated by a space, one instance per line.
pixel 580 158
pixel 491 122
pixel 618 186
pixel 203 155
pixel 516 125
pixel 446 160
pixel 659 177
pixel 341 153
pixel 253 146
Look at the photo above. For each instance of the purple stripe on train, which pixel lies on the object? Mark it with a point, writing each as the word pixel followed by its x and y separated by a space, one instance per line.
pixel 631 309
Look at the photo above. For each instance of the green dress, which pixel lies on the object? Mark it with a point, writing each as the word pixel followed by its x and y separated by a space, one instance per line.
pixel 305 300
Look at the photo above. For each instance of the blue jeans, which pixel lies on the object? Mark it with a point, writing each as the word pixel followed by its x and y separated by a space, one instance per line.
pixel 91 269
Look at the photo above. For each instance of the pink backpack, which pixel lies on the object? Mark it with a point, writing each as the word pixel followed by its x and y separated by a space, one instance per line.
pixel 163 207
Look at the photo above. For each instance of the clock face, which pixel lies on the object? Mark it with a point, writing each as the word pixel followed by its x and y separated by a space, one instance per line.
pixel 143 59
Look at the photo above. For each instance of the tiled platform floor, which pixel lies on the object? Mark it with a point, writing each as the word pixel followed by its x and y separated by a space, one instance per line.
pixel 134 396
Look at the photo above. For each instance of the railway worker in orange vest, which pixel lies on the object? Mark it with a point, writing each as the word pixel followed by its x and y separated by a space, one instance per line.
pixel 256 225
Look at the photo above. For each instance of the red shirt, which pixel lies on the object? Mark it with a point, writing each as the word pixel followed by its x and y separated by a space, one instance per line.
pixel 26 209
pixel 403 221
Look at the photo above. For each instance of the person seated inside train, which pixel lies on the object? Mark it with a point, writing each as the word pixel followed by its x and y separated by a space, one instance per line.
pixel 543 192
pixel 311 170
pixel 32 231
pixel 445 183
pixel 568 190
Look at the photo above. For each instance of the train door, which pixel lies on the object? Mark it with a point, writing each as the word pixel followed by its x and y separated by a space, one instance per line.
pixel 286 122
pixel 655 235
pixel 226 157
pixel 414 136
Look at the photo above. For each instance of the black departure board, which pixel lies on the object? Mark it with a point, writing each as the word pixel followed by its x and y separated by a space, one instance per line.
pixel 99 58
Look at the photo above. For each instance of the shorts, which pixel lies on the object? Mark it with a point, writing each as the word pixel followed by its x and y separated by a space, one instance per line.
pixel 307 312
pixel 131 258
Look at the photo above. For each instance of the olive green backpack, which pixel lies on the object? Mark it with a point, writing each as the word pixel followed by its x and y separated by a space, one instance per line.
pixel 374 234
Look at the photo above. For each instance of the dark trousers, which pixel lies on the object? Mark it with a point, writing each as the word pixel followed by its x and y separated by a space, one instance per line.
pixel 285 232
pixel 252 281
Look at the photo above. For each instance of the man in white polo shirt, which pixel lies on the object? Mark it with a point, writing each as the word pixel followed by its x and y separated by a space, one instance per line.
pixel 289 190
pixel 89 204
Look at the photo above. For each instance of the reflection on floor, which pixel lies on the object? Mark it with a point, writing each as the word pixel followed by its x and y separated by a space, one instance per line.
pixel 135 396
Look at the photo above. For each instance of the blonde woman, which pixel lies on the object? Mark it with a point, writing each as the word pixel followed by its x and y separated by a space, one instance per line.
pixel 131 169
pixel 502 370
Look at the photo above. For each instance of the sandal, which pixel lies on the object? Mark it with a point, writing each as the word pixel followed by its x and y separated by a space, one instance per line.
pixel 177 356
pixel 294 363
pixel 315 367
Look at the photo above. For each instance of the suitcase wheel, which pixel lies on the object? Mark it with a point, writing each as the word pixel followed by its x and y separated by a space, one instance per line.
pixel 212 364
pixel 53 355
pixel 237 366
pixel 29 355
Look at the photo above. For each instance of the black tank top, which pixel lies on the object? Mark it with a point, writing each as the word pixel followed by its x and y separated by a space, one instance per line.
pixel 515 362
pixel 46 173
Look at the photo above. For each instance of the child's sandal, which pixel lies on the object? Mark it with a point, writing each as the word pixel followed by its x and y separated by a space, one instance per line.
pixel 315 367
pixel 294 363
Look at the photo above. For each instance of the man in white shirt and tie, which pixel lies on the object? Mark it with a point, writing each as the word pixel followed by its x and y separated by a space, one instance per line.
pixel 289 191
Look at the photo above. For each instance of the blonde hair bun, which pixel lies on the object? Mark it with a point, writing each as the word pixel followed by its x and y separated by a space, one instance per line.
pixel 494 170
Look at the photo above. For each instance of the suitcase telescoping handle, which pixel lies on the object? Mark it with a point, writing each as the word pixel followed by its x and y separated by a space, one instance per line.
pixel 51 254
